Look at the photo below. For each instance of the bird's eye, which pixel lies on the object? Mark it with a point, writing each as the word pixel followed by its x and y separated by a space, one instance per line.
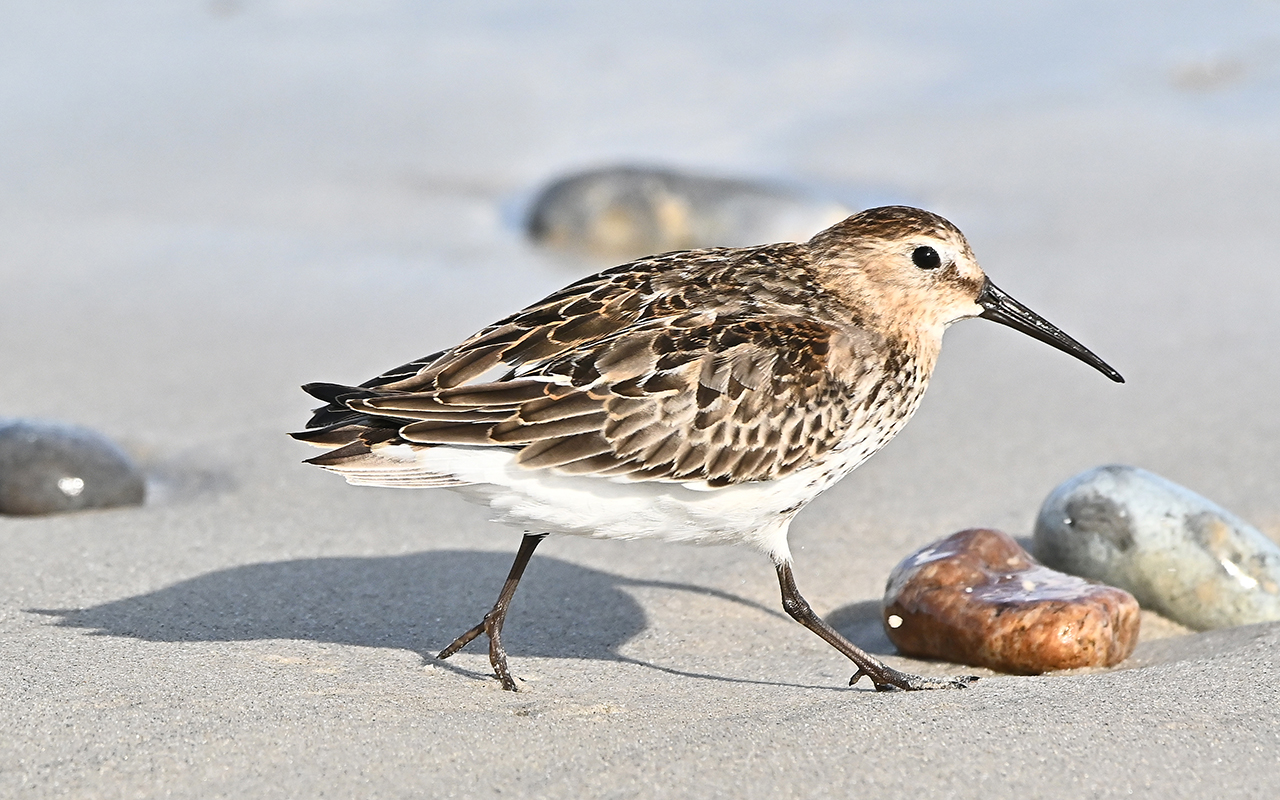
pixel 926 258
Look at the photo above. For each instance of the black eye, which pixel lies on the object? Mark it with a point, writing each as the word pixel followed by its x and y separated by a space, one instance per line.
pixel 926 258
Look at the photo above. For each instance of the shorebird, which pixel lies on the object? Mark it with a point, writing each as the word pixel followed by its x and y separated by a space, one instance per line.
pixel 703 396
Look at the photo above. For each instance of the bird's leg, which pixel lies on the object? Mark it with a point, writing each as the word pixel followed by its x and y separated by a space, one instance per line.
pixel 884 677
pixel 491 625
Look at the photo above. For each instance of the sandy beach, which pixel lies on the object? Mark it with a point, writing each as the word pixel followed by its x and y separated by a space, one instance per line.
pixel 204 205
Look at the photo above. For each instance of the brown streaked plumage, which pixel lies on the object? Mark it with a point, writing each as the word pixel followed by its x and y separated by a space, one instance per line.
pixel 700 396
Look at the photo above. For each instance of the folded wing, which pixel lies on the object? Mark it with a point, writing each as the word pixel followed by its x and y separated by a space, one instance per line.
pixel 611 378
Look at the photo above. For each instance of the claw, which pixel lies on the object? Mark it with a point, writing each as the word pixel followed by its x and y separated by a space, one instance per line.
pixel 462 641
pixel 891 680
pixel 497 654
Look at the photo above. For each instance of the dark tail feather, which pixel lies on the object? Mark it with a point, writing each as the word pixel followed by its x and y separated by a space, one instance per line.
pixel 330 435
pixel 335 393
pixel 340 455
pixel 335 411
pixel 344 433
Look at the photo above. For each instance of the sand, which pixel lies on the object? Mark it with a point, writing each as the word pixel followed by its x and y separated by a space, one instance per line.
pixel 203 206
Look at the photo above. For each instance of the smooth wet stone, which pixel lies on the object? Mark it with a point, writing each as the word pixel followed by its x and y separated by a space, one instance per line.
pixel 49 468
pixel 627 212
pixel 1178 553
pixel 976 597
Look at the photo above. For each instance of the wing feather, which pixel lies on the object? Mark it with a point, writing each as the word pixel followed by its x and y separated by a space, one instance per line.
pixel 617 377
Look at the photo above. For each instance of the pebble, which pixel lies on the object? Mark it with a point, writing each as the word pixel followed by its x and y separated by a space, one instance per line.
pixel 976 597
pixel 1178 553
pixel 628 212
pixel 50 467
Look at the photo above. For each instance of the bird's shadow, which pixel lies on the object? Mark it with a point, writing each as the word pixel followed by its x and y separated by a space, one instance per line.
pixel 417 602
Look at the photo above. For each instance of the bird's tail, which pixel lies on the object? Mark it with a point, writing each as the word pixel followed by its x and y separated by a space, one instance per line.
pixel 366 451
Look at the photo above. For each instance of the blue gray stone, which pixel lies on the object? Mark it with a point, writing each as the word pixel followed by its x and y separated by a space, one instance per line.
pixel 1176 552
pixel 50 467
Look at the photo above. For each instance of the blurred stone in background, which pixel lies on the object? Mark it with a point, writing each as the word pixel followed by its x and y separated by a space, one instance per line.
pixel 53 467
pixel 625 212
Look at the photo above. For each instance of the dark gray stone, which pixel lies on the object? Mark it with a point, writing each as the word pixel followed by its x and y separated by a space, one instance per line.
pixel 50 468
pixel 1176 552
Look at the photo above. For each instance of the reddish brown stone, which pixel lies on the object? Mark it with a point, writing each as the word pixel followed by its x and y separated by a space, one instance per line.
pixel 978 598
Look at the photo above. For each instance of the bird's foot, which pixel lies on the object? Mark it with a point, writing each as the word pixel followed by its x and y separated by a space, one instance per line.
pixel 491 627
pixel 888 679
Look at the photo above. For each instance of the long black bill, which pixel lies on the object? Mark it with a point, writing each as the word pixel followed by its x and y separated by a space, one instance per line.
pixel 1000 307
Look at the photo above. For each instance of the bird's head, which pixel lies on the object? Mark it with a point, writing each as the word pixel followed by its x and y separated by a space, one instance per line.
pixel 910 273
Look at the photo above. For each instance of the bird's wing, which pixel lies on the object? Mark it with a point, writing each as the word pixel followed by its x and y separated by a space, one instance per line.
pixel 590 310
pixel 691 366
pixel 689 398
pixel 594 306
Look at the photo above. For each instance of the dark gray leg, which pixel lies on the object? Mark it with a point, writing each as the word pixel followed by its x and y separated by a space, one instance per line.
pixel 491 625
pixel 884 677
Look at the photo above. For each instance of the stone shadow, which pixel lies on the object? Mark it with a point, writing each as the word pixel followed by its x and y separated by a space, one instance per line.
pixel 860 623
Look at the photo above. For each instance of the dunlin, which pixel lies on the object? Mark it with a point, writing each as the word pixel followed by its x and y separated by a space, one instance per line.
pixel 702 396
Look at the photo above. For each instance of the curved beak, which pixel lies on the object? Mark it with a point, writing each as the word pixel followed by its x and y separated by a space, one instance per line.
pixel 1000 307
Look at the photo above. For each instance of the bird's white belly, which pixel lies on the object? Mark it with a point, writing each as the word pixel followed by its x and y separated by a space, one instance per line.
pixel 756 513
pixel 542 501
